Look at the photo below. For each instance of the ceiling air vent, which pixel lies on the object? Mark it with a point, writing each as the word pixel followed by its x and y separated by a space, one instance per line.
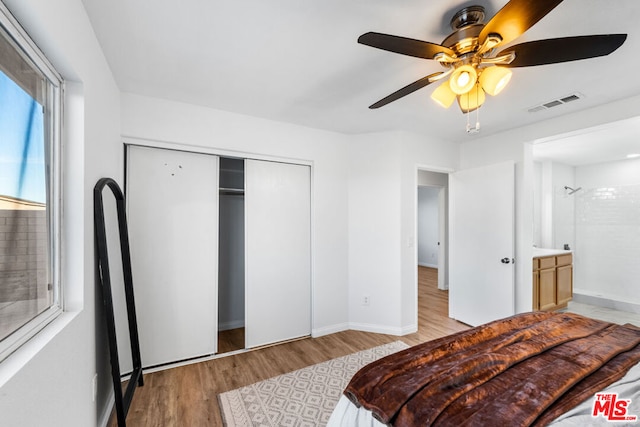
pixel 555 102
pixel 552 104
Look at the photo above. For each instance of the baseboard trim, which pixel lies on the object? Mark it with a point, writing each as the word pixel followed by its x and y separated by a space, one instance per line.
pixel 586 297
pixel 103 421
pixel 381 329
pixel 412 329
pixel 327 330
pixel 424 264
pixel 233 324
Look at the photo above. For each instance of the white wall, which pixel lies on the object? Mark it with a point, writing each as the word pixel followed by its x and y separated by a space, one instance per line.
pixel 383 226
pixel 537 204
pixel 49 381
pixel 546 204
pixel 554 207
pixel 200 128
pixel 428 226
pixel 434 179
pixel 564 206
pixel 607 231
pixel 374 232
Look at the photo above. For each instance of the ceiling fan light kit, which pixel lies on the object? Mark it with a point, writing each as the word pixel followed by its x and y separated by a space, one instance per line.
pixel 443 95
pixel 469 53
pixel 494 79
pixel 463 79
pixel 471 100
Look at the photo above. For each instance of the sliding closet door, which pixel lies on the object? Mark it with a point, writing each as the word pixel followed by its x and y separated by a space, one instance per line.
pixel 278 251
pixel 172 201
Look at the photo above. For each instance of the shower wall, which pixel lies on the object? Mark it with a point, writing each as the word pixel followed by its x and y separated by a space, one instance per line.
pixel 554 215
pixel 607 227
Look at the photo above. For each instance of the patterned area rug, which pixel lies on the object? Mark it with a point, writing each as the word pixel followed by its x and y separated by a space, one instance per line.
pixel 301 398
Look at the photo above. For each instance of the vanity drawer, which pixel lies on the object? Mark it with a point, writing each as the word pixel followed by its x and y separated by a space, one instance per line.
pixel 547 262
pixel 564 259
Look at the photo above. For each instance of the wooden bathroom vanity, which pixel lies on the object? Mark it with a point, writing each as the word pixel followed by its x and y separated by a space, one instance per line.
pixel 552 279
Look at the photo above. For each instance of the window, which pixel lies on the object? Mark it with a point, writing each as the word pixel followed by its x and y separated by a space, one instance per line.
pixel 30 167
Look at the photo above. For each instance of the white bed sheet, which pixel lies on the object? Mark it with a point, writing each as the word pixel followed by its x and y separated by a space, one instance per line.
pixel 346 414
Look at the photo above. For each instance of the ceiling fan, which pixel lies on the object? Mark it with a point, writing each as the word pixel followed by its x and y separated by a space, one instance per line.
pixel 470 56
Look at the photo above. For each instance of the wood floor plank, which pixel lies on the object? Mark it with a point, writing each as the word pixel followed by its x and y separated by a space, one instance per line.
pixel 187 395
pixel 230 340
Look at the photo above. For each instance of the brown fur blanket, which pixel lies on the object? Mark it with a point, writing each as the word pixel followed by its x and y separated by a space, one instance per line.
pixel 523 370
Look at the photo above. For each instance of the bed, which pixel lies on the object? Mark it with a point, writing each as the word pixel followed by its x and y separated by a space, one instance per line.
pixel 535 368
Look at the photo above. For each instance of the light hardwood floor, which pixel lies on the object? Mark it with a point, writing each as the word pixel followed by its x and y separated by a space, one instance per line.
pixel 230 340
pixel 187 396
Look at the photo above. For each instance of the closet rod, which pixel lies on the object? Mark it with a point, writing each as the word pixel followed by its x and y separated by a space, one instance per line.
pixel 232 191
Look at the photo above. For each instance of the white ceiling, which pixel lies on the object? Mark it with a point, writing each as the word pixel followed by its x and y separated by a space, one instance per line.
pixel 298 61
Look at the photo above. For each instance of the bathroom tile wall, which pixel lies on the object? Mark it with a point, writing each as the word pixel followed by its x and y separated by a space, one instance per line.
pixel 607 228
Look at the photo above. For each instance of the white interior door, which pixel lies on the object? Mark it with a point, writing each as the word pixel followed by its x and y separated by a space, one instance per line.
pixel 481 270
pixel 442 239
pixel 278 252
pixel 172 201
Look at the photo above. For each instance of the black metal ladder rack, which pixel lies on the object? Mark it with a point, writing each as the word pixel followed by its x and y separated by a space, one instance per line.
pixel 102 265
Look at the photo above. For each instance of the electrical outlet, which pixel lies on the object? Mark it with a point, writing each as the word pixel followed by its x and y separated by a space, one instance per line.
pixel 94 386
pixel 365 300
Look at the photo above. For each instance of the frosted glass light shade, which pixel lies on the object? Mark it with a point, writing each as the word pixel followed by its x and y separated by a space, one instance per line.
pixel 472 100
pixel 443 95
pixel 463 79
pixel 494 79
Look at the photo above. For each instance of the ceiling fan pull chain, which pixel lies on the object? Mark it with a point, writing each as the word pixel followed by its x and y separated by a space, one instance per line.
pixel 478 109
pixel 475 129
pixel 468 119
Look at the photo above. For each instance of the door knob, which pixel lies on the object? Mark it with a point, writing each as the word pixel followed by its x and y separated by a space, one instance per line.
pixel 505 260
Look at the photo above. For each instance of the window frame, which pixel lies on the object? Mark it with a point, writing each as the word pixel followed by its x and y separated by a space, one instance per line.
pixel 53 149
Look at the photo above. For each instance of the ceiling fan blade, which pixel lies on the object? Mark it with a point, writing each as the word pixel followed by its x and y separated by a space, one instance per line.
pixel 410 88
pixel 516 17
pixel 403 45
pixel 565 49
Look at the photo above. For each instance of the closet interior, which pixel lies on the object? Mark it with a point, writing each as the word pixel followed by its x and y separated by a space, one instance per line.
pixel 231 263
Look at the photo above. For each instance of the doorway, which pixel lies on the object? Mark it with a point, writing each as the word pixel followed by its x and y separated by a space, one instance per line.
pixel 432 223
pixel 429 229
pixel 431 245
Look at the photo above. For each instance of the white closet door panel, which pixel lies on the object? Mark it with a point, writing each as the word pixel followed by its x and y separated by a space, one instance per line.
pixel 173 225
pixel 278 251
